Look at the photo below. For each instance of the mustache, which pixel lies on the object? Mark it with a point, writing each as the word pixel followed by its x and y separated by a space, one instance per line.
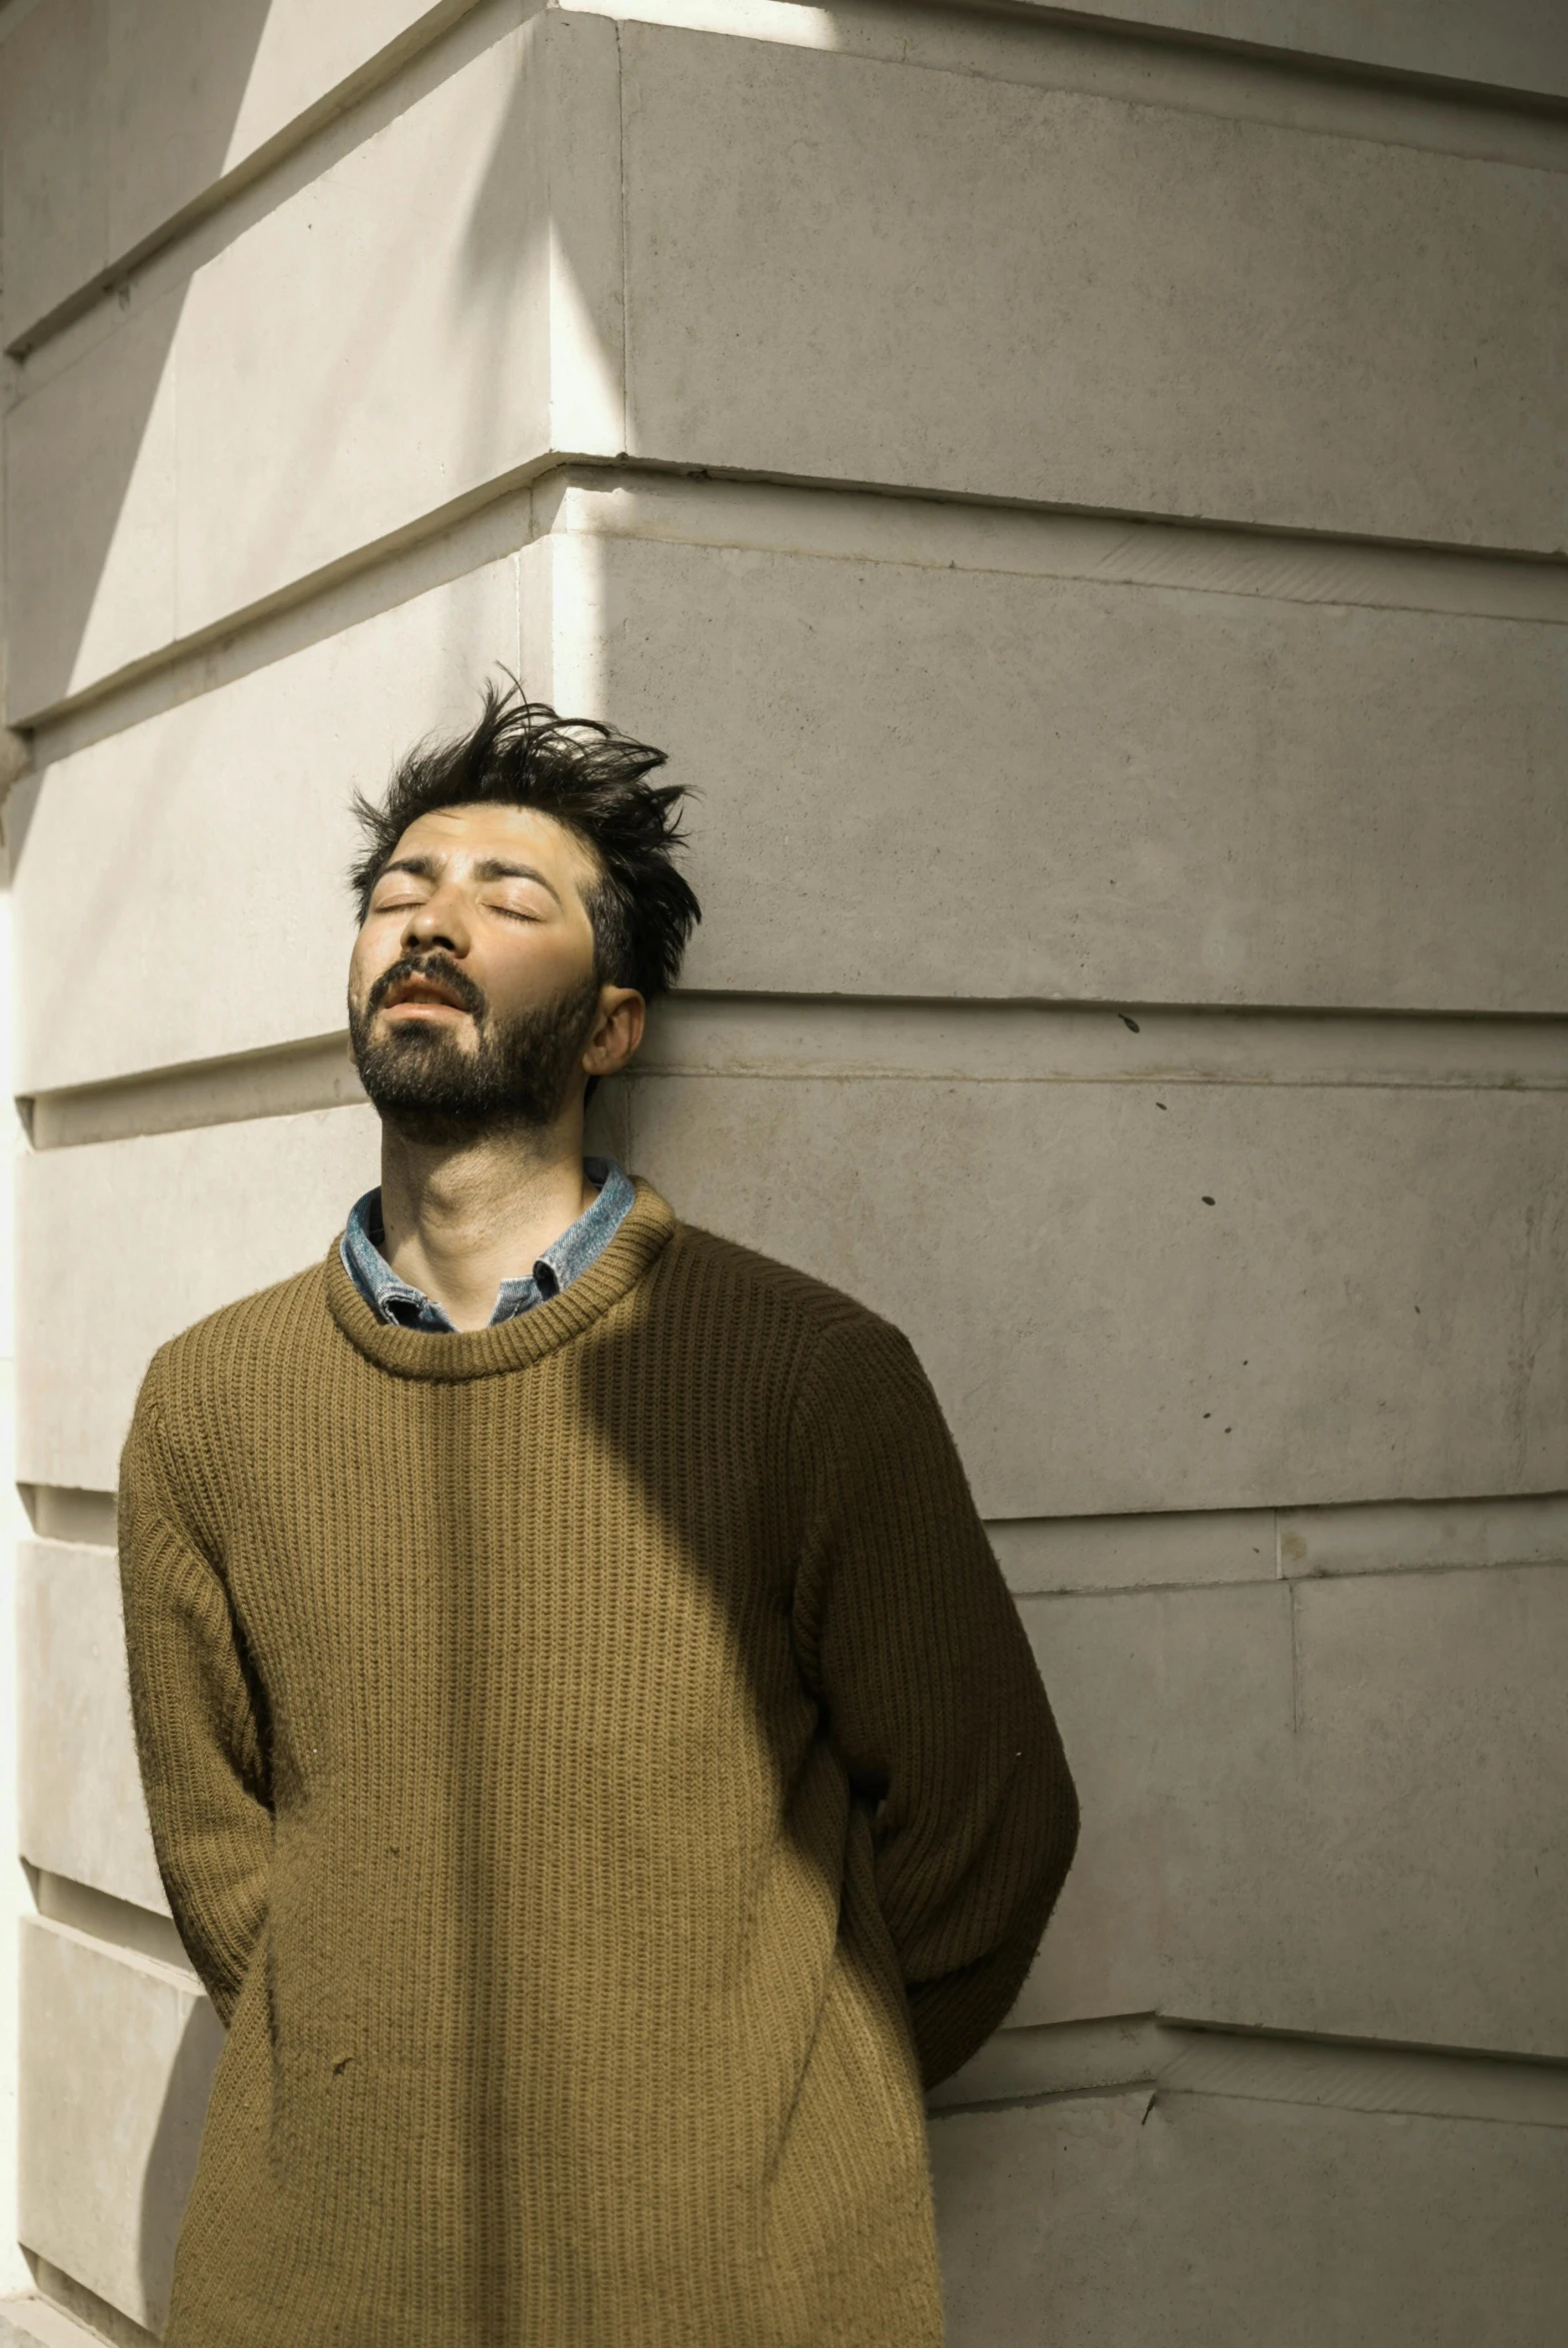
pixel 437 969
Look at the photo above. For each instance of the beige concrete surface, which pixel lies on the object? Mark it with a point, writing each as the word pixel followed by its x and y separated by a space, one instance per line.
pixel 55 236
pixel 1099 2221
pixel 1022 2063
pixel 1189 793
pixel 1161 1548
pixel 125 1924
pixel 66 1512
pixel 471 242
pixel 1326 1809
pixel 1314 255
pixel 116 115
pixel 1400 1537
pixel 1220 318
pixel 1510 44
pixel 82 1813
pixel 1104 1341
pixel 118 2055
pixel 1044 1553
pixel 33 2323
pixel 869 1038
pixel 1157 794
pixel 79 2314
pixel 234 809
pixel 273 1195
pixel 90 477
pixel 97 162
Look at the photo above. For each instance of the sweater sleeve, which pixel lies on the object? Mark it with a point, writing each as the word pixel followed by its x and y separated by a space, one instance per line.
pixel 931 1689
pixel 200 1727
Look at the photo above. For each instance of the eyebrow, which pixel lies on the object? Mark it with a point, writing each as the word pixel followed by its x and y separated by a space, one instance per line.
pixel 490 868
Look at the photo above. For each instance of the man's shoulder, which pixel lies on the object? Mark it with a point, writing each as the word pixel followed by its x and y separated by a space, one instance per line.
pixel 723 1274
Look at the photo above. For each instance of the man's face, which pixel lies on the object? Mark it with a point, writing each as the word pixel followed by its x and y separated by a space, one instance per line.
pixel 473 999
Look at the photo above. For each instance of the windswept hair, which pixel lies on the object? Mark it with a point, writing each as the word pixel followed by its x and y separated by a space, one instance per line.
pixel 588 778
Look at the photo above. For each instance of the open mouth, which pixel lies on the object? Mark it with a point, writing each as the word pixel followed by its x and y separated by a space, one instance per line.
pixel 417 995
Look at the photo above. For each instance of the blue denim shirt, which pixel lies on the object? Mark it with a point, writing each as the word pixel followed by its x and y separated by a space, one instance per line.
pixel 409 1308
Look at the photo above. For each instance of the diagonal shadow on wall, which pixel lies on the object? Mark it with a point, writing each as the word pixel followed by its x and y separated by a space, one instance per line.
pixel 157 92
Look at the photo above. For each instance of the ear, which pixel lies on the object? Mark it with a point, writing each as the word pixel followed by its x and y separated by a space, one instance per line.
pixel 616 1032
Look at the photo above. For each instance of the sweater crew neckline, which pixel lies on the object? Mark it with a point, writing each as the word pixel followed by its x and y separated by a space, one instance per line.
pixel 446 1356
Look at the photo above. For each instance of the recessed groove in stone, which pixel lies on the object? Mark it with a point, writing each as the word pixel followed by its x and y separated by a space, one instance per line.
pixel 851 522
pixel 784 1037
pixel 1043 1556
pixel 1392 1537
pixel 60 1512
pixel 317 1073
pixel 135 1931
pixel 972 534
pixel 1169 2058
pixel 425 557
pixel 1146 66
pixel 75 2317
pixel 796 1038
pixel 1194 1549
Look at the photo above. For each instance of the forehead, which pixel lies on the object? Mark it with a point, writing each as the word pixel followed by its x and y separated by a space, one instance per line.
pixel 477 831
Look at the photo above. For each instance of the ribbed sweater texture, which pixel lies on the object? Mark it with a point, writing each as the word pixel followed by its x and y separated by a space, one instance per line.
pixel 599 1773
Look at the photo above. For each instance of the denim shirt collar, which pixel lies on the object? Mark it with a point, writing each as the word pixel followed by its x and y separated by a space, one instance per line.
pixel 406 1307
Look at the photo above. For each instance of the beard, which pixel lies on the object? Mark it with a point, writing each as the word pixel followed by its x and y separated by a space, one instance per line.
pixel 516 1076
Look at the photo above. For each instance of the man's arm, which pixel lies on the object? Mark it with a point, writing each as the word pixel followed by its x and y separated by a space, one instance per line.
pixel 931 1689
pixel 198 1729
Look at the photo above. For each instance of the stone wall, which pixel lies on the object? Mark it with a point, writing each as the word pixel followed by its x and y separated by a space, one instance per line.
pixel 1085 503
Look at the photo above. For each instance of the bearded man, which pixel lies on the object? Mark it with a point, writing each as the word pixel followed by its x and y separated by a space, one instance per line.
pixel 593 1761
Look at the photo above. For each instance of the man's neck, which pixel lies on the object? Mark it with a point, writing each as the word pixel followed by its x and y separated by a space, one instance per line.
pixel 458 1219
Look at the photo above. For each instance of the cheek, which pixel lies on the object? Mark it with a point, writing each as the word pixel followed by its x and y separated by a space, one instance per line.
pixel 541 964
pixel 366 963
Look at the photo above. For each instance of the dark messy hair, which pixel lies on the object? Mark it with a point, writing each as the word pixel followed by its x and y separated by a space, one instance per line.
pixel 588 778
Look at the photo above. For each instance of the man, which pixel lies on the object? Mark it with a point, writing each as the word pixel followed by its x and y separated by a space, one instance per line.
pixel 593 1761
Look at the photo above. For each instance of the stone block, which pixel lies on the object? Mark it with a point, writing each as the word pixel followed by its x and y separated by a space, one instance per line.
pixel 196 92
pixel 1159 793
pixel 1146 308
pixel 1207 2223
pixel 1367 1308
pixel 1175 1710
pixel 1291 1343
pixel 81 1808
pixel 272 1194
pixel 417 288
pixel 233 806
pixel 1330 1809
pixel 91 466
pixel 54 167
pixel 1433 1737
pixel 1511 44
pixel 116 116
pixel 422 320
pixel 117 2060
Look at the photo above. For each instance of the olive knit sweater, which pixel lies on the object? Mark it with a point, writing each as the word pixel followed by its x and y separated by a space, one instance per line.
pixel 597 1769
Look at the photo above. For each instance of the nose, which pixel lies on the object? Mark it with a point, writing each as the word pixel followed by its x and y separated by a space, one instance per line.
pixel 440 921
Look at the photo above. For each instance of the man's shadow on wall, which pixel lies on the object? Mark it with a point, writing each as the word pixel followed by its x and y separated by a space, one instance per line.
pixel 171 2161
